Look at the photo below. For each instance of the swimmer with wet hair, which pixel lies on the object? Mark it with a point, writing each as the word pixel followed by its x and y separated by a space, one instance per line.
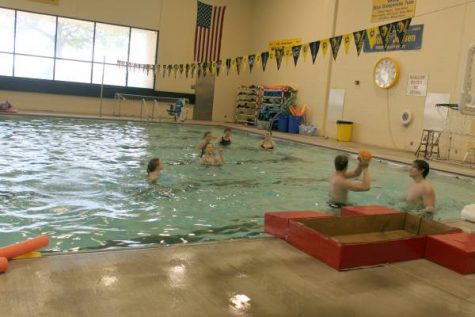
pixel 226 138
pixel 209 158
pixel 207 137
pixel 420 193
pixel 154 168
pixel 340 183
pixel 267 143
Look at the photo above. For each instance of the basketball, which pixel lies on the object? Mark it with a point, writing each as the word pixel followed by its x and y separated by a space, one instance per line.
pixel 365 155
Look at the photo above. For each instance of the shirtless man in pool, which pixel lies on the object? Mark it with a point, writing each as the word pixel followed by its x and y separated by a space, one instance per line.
pixel 340 183
pixel 420 193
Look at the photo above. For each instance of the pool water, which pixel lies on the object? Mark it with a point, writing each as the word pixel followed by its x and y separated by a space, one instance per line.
pixel 82 182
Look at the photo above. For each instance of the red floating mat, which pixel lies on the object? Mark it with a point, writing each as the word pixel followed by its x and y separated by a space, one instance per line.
pixel 455 251
pixel 366 210
pixel 277 222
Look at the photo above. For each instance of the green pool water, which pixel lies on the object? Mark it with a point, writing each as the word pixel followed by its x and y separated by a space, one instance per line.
pixel 82 182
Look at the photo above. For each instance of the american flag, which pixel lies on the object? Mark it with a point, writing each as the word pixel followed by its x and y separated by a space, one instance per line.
pixel 208 33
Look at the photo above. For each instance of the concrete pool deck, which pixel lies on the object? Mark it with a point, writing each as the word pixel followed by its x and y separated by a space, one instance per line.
pixel 251 277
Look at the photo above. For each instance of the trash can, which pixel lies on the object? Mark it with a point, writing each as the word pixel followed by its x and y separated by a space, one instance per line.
pixel 294 123
pixel 283 123
pixel 344 130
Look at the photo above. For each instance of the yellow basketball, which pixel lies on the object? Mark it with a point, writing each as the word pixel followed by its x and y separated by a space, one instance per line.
pixel 365 155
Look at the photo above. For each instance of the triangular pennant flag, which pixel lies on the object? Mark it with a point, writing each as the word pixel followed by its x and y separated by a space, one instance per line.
pixel 218 67
pixel 181 67
pixel 187 70
pixel 314 46
pixel 264 58
pixel 244 62
pixel 164 69
pixel 287 54
pixel 401 29
pixel 372 34
pixel 193 70
pixel 213 68
pixel 175 69
pixel 385 33
pixel 279 54
pixel 335 43
pixel 359 37
pixel 238 64
pixel 205 68
pixel 228 65
pixel 347 42
pixel 198 70
pixel 250 61
pixel 271 55
pixel 296 53
pixel 305 49
pixel 258 60
pixel 169 68
pixel 157 70
pixel 233 63
pixel 325 43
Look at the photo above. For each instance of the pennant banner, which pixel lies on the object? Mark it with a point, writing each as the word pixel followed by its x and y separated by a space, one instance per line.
pixel 359 37
pixel 279 54
pixel 250 61
pixel 399 35
pixel 335 43
pixel 264 58
pixel 314 46
pixel 401 29
pixel 385 32
pixel 296 53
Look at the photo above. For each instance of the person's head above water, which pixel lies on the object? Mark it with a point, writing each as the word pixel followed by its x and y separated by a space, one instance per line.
pixel 227 132
pixel 207 136
pixel 209 148
pixel 153 165
pixel 341 163
pixel 422 167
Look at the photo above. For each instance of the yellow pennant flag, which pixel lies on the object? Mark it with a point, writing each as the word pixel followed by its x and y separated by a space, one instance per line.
pixel 233 63
pixel 287 54
pixel 324 44
pixel 371 34
pixel 347 41
pixel 244 62
pixel 271 55
pixel 305 50
pixel 257 61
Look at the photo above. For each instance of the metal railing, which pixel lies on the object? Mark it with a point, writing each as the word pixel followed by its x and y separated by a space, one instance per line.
pixel 145 106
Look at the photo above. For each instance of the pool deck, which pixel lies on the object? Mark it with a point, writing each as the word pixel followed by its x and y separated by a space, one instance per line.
pixel 250 277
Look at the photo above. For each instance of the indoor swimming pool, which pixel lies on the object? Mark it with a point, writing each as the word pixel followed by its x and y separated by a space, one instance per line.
pixel 82 182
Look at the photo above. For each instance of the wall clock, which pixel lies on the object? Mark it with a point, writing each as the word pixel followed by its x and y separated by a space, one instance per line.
pixel 386 73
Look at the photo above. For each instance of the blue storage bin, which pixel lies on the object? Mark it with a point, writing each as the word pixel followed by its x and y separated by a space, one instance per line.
pixel 283 123
pixel 294 123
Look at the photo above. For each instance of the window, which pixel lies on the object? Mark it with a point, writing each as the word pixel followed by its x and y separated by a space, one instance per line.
pixel 57 48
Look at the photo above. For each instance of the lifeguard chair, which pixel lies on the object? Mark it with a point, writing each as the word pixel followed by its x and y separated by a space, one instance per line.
pixel 176 109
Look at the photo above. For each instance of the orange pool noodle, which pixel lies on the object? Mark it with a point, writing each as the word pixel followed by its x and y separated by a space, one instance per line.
pixel 24 247
pixel 365 155
pixel 3 265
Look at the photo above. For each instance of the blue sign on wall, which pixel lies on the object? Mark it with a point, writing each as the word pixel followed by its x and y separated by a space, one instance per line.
pixel 412 41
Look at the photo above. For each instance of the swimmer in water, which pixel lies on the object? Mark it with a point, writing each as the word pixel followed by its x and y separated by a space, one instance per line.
pixel 267 143
pixel 226 138
pixel 154 168
pixel 207 137
pixel 209 158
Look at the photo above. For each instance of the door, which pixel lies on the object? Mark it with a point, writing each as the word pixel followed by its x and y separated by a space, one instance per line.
pixel 204 93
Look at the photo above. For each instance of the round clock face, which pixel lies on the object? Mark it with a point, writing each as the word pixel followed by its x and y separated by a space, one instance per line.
pixel 386 72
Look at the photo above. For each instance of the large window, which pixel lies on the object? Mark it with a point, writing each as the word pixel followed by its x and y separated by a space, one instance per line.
pixel 56 48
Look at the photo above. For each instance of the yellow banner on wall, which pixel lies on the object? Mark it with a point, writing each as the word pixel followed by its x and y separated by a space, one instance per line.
pixel 55 2
pixel 288 43
pixel 384 10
